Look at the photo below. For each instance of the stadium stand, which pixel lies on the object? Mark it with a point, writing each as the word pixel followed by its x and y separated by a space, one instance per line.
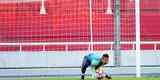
pixel 68 21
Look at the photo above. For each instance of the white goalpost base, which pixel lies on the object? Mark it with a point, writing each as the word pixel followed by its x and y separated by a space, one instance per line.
pixel 42 10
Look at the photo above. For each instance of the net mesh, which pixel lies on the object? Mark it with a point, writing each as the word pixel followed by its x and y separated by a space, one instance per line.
pixel 69 21
pixel 64 21
pixel 149 15
pixel 127 23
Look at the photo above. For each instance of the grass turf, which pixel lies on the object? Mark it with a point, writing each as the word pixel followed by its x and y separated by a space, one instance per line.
pixel 76 78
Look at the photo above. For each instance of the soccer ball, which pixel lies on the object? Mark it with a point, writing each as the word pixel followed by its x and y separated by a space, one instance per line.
pixel 100 74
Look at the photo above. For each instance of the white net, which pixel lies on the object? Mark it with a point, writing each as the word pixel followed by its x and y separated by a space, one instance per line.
pixel 26 21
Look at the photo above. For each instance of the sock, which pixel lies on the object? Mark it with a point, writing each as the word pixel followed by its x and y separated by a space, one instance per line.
pixel 82 76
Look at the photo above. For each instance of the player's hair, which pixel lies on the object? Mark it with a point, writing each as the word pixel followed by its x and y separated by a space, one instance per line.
pixel 105 55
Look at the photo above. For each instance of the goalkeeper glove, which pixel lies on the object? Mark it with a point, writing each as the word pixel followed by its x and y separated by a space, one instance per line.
pixel 108 77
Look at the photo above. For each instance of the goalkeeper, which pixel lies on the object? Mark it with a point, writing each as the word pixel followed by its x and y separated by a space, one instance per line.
pixel 95 61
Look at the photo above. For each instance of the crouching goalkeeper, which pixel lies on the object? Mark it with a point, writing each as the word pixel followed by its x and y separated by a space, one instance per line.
pixel 95 61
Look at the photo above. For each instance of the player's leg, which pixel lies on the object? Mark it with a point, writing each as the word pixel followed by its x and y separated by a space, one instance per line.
pixel 85 64
pixel 83 70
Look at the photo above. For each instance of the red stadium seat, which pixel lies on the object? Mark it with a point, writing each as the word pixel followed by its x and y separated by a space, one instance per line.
pixel 68 21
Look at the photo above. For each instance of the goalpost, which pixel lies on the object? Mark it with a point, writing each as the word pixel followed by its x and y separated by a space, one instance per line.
pixel 118 33
pixel 91 25
pixel 138 40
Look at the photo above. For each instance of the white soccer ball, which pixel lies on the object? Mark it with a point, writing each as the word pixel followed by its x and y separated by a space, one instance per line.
pixel 100 74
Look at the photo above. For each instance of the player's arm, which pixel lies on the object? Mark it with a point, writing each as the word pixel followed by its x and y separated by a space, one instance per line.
pixel 98 65
pixel 94 63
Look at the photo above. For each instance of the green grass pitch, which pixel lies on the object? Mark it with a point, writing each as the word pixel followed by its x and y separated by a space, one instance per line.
pixel 76 78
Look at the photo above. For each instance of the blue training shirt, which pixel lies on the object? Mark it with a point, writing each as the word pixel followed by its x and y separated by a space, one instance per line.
pixel 94 58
